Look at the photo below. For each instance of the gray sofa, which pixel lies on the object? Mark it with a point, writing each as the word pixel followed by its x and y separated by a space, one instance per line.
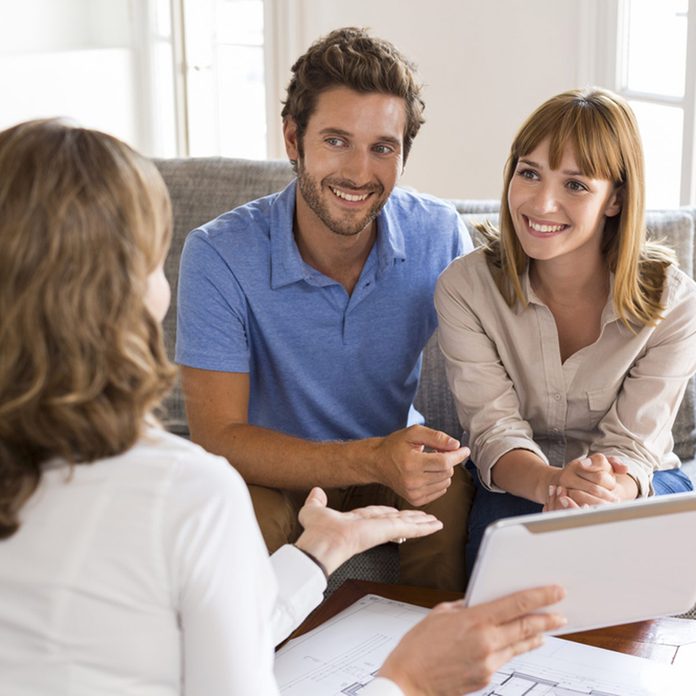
pixel 202 189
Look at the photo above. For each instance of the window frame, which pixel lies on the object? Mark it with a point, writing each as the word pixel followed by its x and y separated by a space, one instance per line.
pixel 610 22
pixel 184 64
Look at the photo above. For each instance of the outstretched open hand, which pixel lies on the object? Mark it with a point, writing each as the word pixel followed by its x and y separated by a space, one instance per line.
pixel 333 537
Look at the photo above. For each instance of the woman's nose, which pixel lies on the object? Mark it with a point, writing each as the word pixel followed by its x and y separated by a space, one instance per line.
pixel 545 199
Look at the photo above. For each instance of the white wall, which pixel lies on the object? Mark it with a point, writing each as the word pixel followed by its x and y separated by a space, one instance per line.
pixel 49 25
pixel 67 57
pixel 485 63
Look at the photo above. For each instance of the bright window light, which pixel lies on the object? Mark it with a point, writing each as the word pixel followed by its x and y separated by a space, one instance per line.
pixel 661 132
pixel 654 64
pixel 226 93
pixel 656 46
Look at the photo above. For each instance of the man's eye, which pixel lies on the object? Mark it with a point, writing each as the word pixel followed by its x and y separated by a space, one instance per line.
pixel 383 149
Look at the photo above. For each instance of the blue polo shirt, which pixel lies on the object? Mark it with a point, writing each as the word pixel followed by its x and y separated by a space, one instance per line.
pixel 322 364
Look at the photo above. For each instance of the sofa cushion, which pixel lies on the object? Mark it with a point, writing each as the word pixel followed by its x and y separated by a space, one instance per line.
pixel 467 206
pixel 471 220
pixel 676 229
pixel 201 189
pixel 433 398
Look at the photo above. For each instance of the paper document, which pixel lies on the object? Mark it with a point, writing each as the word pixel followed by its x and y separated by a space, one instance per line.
pixel 342 655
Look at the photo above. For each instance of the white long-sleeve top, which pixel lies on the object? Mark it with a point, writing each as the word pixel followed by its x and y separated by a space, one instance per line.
pixel 144 574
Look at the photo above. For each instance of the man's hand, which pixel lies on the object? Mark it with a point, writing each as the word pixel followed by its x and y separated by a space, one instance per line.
pixel 403 464
pixel 332 537
pixel 457 649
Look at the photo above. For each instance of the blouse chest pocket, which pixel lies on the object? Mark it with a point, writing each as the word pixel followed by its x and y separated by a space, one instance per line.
pixel 599 401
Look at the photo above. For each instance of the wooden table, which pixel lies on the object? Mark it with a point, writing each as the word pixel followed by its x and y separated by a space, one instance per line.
pixel 665 640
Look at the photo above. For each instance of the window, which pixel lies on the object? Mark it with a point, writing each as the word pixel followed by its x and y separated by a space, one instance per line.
pixel 656 73
pixel 170 77
pixel 54 60
pixel 225 92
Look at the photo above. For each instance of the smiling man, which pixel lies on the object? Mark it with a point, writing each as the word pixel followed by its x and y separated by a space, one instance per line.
pixel 303 315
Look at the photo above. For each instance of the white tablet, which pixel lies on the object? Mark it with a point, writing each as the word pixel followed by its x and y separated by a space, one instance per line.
pixel 618 563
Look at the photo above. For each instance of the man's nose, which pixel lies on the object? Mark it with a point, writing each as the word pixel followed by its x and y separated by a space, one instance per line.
pixel 356 167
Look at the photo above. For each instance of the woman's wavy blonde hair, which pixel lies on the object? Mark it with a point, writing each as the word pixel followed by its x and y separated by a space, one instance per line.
pixel 601 129
pixel 84 220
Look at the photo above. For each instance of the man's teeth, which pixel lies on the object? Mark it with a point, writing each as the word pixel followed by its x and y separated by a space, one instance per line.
pixel 545 228
pixel 353 198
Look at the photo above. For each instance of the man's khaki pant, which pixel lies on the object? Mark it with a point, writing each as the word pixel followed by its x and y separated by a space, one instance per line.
pixel 433 561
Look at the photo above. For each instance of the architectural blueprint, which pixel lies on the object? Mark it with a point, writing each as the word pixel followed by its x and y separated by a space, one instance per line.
pixel 342 655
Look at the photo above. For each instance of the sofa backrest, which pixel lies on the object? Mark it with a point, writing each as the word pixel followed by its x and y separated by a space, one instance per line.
pixel 201 189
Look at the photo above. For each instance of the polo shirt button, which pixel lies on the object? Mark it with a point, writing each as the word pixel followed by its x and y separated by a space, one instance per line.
pixel 557 396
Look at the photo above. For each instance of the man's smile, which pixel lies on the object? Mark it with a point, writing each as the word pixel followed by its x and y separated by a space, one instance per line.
pixel 351 197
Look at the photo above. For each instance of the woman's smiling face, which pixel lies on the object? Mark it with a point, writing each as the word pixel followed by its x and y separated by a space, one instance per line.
pixel 558 212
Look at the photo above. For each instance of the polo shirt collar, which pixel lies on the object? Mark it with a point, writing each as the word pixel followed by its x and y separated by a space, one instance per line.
pixel 287 265
pixel 390 245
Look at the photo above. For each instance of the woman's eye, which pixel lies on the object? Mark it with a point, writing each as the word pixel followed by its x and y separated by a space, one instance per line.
pixel 576 186
pixel 528 174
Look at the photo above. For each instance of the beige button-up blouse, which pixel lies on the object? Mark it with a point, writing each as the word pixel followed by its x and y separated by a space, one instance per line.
pixel 618 396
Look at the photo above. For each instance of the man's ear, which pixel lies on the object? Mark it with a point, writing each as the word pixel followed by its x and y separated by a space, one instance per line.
pixel 291 138
pixel 615 202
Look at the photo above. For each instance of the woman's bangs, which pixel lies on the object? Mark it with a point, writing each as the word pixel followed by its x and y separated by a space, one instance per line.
pixel 579 128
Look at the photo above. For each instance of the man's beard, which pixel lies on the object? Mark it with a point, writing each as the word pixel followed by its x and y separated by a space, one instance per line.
pixel 346 226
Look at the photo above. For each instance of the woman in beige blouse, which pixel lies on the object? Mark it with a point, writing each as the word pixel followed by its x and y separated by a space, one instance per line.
pixel 569 338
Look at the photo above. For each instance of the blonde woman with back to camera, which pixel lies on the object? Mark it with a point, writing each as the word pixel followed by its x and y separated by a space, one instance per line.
pixel 130 559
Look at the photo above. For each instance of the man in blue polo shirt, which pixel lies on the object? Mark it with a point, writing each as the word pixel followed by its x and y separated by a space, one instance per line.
pixel 302 315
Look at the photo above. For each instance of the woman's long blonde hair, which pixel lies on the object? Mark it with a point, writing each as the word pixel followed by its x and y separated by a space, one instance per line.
pixel 602 131
pixel 83 221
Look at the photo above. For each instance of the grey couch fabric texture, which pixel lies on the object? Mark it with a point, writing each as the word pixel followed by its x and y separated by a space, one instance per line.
pixel 201 189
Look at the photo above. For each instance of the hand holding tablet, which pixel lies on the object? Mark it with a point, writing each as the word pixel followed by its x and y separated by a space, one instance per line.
pixel 617 563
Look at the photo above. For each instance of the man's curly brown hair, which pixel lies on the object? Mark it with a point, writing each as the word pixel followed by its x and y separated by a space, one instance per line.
pixel 350 57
